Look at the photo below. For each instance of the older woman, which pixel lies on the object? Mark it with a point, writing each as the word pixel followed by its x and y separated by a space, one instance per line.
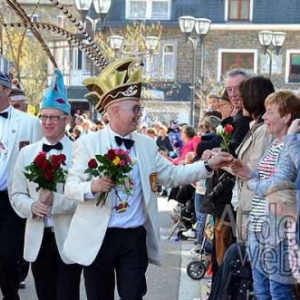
pixel 267 243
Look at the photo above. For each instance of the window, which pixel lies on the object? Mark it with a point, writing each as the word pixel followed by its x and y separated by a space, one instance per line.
pixel 34 18
pixel 237 58
pixel 293 66
pixel 239 10
pixel 162 65
pixel 148 9
pixel 62 21
pixel 77 59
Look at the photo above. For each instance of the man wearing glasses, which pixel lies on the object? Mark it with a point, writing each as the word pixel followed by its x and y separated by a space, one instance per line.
pixel 233 79
pixel 48 213
pixel 17 129
pixel 112 244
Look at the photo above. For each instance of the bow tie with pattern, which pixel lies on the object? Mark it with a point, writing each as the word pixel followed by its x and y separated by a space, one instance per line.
pixel 47 148
pixel 128 143
pixel 4 115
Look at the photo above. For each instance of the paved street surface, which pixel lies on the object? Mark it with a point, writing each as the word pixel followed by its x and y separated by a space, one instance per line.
pixel 169 282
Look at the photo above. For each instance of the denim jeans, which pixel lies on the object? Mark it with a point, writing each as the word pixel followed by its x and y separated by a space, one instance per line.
pixel 272 277
pixel 201 217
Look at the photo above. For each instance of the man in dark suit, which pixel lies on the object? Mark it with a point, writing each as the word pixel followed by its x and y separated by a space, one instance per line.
pixel 17 129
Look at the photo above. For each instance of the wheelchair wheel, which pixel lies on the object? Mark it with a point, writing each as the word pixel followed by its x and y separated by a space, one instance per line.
pixel 181 236
pixel 196 270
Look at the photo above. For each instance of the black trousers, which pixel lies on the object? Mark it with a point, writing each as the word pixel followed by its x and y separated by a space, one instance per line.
pixel 11 246
pixel 123 256
pixel 54 280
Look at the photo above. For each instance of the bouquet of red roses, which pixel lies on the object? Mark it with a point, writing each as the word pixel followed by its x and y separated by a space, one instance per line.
pixel 225 134
pixel 115 164
pixel 47 172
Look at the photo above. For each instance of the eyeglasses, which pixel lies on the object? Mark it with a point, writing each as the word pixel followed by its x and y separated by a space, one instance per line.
pixel 229 89
pixel 52 118
pixel 136 109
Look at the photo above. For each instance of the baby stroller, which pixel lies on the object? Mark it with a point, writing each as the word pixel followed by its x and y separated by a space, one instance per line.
pixel 234 276
pixel 197 268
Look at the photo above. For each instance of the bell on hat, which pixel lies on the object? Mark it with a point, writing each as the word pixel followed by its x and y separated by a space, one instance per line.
pixel 119 81
pixel 56 95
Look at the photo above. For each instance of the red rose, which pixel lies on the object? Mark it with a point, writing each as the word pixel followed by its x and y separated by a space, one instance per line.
pixel 45 165
pixel 55 166
pixel 228 128
pixel 93 163
pixel 49 175
pixel 40 159
pixel 62 159
pixel 111 155
pixel 55 159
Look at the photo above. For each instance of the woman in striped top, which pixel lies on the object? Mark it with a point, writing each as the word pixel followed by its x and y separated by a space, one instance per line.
pixel 267 242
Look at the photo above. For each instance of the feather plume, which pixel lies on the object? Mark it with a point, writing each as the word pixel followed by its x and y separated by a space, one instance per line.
pixel 82 30
pixel 60 31
pixel 23 16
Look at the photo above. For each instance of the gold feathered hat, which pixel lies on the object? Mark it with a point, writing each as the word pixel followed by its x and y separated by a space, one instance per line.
pixel 119 81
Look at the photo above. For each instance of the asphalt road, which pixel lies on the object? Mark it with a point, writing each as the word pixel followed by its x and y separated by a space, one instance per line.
pixel 169 282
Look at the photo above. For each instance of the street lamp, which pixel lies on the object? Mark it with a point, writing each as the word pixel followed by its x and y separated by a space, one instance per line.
pixel 101 7
pixel 201 25
pixel 266 38
pixel 151 42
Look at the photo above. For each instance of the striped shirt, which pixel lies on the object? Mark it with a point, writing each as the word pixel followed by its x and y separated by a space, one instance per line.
pixel 266 168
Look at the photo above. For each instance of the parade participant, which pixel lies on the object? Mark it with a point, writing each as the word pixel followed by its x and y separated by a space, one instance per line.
pixel 17 129
pixel 18 98
pixel 19 101
pixel 107 242
pixel 48 212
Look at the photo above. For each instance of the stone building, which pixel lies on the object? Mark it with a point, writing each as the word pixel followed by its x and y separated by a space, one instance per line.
pixel 232 41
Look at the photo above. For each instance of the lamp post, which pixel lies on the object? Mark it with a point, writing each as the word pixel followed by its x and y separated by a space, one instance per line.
pixel 266 38
pixel 101 7
pixel 201 25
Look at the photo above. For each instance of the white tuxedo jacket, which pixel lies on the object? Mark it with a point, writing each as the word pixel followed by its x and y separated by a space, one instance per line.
pixel 24 129
pixel 24 194
pixel 89 222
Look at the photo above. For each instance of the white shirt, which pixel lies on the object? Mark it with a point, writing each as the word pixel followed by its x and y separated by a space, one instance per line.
pixel 135 215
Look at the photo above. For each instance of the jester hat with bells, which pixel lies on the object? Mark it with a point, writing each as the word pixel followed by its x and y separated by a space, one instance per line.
pixel 119 81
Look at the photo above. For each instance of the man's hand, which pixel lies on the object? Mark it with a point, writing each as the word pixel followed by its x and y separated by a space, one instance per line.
pixel 102 184
pixel 40 209
pixel 46 197
pixel 220 160
pixel 295 127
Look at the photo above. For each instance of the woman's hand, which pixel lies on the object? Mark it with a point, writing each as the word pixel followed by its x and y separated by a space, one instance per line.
pixel 240 169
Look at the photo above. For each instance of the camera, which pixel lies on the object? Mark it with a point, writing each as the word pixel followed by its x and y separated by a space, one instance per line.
pixel 223 182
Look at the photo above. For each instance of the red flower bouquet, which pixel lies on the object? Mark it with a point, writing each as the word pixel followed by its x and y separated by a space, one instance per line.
pixel 115 164
pixel 47 172
pixel 225 134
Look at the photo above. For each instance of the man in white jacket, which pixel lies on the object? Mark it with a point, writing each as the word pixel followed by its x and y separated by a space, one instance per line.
pixel 48 213
pixel 109 241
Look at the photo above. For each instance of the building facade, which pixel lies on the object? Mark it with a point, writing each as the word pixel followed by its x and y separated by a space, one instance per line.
pixel 232 41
